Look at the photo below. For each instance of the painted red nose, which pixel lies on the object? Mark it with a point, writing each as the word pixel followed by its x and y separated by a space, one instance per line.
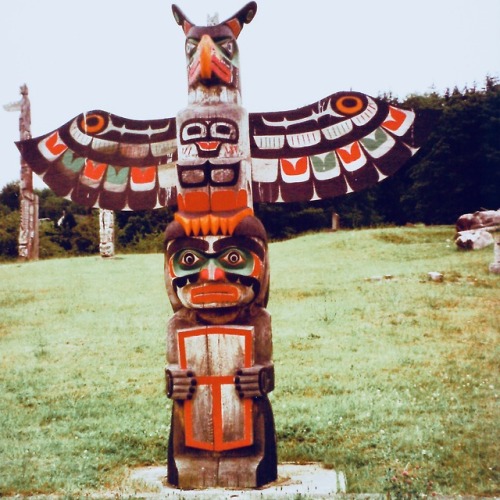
pixel 212 273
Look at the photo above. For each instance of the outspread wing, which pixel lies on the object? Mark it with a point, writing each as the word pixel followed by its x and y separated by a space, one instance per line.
pixel 102 160
pixel 343 143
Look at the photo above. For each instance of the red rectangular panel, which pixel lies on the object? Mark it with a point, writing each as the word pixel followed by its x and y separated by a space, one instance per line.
pixel 216 418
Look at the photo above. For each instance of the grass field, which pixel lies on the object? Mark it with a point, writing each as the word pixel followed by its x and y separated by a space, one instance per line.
pixel 385 379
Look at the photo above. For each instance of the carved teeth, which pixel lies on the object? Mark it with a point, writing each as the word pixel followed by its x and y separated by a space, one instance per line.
pixel 184 222
pixel 214 224
pixel 211 224
pixel 195 226
pixel 223 226
pixel 205 224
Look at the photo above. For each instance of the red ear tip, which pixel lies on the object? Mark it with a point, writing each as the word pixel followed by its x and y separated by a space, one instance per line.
pixel 242 17
pixel 235 26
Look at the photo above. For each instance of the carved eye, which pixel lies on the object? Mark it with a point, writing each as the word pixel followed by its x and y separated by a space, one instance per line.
pixel 93 123
pixel 188 258
pixel 349 104
pixel 191 46
pixel 194 131
pixel 228 47
pixel 233 258
pixel 187 262
pixel 223 130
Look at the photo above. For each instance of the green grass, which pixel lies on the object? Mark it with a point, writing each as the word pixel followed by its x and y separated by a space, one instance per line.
pixel 373 376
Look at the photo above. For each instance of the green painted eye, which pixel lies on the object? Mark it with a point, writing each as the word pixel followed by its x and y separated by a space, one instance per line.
pixel 237 259
pixel 187 261
pixel 233 258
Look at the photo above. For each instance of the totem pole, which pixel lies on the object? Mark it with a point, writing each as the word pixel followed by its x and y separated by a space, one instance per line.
pixel 213 161
pixel 494 266
pixel 106 233
pixel 28 228
pixel 219 345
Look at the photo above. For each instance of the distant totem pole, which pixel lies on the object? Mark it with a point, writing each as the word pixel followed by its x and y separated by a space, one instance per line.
pixel 28 228
pixel 214 161
pixel 106 233
pixel 494 266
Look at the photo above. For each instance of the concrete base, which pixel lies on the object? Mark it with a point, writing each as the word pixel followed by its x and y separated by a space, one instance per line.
pixel 309 480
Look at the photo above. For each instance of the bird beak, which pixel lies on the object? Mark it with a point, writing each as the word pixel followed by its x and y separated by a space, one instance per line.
pixel 205 54
pixel 209 65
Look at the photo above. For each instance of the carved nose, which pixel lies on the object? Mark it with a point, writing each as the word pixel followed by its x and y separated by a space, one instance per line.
pixel 212 272
pixel 205 48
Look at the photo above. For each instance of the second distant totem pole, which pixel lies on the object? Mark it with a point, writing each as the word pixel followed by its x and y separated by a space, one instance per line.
pixel 28 239
pixel 106 233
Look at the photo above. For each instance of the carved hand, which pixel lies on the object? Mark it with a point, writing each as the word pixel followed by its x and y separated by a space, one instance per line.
pixel 255 381
pixel 181 384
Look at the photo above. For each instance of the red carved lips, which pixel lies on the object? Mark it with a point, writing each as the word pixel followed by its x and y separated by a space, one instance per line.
pixel 214 293
pixel 208 146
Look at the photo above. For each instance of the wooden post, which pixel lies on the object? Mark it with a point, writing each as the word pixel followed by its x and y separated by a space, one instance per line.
pixel 106 233
pixel 219 343
pixel 28 240
pixel 495 265
pixel 335 221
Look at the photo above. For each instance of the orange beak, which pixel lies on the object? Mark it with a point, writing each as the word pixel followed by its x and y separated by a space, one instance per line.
pixel 205 48
pixel 209 65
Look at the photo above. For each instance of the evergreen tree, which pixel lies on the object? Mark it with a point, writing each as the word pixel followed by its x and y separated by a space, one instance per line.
pixel 9 196
pixel 460 172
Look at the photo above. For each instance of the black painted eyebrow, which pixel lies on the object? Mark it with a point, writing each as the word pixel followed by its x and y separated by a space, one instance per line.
pixel 183 243
pixel 240 242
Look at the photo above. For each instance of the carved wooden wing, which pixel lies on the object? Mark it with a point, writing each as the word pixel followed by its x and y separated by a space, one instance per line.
pixel 343 143
pixel 102 160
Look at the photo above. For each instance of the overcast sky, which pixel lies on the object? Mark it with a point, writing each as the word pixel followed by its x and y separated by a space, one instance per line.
pixel 127 56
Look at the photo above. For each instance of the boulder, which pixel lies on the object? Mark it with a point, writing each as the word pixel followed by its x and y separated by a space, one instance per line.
pixel 474 239
pixel 474 230
pixel 478 220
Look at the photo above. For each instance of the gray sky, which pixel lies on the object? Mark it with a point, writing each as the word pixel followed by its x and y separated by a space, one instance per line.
pixel 127 56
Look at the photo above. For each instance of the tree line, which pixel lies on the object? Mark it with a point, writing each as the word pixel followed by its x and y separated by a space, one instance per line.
pixel 457 171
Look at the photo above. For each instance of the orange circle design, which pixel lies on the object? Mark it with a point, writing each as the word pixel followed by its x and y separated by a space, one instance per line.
pixel 349 108
pixel 92 124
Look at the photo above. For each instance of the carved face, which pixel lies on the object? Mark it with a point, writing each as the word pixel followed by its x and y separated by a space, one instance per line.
pixel 215 271
pixel 212 57
pixel 214 169
pixel 208 135
pixel 212 51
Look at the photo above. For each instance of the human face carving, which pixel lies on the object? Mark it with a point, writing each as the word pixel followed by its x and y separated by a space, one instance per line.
pixel 215 272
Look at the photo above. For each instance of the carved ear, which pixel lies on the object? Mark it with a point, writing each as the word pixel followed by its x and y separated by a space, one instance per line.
pixel 243 16
pixel 181 19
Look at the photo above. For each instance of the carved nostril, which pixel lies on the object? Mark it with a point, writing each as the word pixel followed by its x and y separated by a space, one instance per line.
pixel 212 273
pixel 219 274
